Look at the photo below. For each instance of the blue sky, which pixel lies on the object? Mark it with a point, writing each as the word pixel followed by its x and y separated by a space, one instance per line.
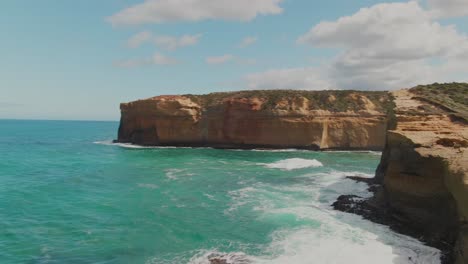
pixel 64 59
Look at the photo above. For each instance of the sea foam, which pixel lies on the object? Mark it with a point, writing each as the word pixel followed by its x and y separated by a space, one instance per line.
pixel 335 238
pixel 294 164
pixel 132 146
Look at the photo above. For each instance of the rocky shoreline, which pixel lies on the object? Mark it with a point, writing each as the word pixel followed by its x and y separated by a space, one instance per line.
pixel 377 211
pixel 421 184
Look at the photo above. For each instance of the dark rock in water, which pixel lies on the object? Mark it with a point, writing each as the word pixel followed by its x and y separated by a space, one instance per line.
pixel 376 211
pixel 218 261
pixel 230 258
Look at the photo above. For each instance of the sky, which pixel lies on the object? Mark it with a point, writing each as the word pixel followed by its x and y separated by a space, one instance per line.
pixel 78 60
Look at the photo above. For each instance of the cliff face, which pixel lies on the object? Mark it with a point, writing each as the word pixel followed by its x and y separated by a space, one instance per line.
pixel 424 172
pixel 270 119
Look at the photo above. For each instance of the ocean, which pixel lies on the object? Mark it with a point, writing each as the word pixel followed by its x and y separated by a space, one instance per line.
pixel 68 195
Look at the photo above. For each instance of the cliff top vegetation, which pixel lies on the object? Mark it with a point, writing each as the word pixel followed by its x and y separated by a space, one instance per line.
pixel 451 97
pixel 331 100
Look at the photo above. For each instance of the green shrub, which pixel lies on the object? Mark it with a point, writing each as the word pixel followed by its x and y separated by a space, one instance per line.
pixel 317 99
pixel 451 97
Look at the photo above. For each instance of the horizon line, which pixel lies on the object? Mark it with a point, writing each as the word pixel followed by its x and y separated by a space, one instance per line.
pixel 63 120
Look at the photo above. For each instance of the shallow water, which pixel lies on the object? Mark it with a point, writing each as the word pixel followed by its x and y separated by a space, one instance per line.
pixel 67 195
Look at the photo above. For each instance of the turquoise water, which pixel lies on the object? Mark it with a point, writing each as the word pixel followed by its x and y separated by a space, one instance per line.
pixel 67 195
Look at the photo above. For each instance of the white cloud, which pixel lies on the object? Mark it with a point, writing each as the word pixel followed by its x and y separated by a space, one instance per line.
pixel 220 59
pixel 294 78
pixel 162 11
pixel 173 43
pixel 160 59
pixel 397 30
pixel 247 42
pixel 390 46
pixel 163 41
pixel 156 59
pixel 448 8
pixel 138 39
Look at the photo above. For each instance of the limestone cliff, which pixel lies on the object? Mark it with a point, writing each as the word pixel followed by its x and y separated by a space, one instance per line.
pixel 260 119
pixel 422 181
pixel 424 170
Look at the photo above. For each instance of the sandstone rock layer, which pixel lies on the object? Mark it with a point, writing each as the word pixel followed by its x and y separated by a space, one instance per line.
pixel 424 172
pixel 264 120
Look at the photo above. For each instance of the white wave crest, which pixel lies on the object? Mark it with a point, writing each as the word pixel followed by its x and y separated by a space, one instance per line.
pixel 280 150
pixel 122 145
pixel 171 174
pixel 327 245
pixel 294 164
pixel 133 146
pixel 357 240
pixel 174 174
pixel 104 142
pixel 354 245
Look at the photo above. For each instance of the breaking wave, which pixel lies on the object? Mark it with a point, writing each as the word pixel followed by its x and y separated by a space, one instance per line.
pixel 294 164
pixel 327 236
pixel 132 146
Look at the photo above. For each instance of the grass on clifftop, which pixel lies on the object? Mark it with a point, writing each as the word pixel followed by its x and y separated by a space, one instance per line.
pixel 332 100
pixel 452 97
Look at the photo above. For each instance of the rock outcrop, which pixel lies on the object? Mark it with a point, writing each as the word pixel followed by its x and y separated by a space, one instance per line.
pixel 424 171
pixel 259 119
pixel 421 184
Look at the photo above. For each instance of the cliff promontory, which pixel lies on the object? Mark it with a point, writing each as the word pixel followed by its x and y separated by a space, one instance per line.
pixel 260 119
pixel 421 184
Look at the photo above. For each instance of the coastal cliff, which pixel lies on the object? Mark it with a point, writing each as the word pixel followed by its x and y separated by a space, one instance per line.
pixel 421 184
pixel 260 119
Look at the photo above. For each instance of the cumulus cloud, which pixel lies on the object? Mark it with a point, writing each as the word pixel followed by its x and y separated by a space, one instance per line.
pixel 220 59
pixel 247 42
pixel 390 46
pixel 162 11
pixel 294 78
pixel 398 31
pixel 156 59
pixel 448 8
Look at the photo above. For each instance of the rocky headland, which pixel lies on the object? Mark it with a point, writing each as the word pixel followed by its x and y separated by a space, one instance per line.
pixel 260 119
pixel 421 185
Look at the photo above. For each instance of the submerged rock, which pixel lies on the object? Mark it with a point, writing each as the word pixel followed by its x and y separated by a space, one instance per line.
pixel 230 258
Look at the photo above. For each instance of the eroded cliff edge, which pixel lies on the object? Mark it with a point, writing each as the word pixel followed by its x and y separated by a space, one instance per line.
pixel 260 119
pixel 421 184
